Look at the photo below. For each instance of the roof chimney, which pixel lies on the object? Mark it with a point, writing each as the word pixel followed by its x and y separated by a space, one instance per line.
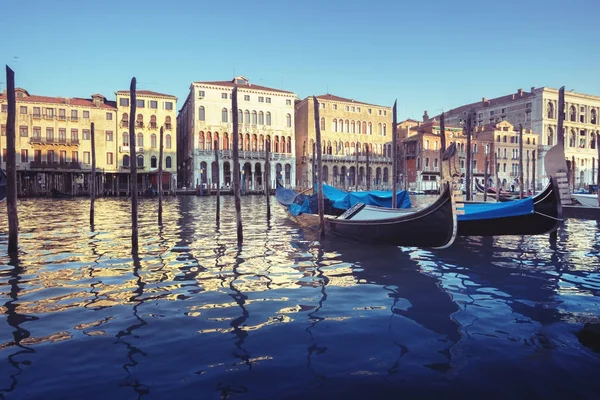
pixel 532 89
pixel 483 99
pixel 520 91
pixel 425 116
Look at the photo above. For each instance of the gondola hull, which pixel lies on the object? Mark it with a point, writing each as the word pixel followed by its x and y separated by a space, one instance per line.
pixel 432 226
pixel 546 218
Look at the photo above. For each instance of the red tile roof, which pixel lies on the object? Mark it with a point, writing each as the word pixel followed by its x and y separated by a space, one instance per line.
pixel 61 101
pixel 242 86
pixel 146 93
pixel 332 97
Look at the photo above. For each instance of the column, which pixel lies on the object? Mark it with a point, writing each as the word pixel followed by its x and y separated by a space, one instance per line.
pixel 221 173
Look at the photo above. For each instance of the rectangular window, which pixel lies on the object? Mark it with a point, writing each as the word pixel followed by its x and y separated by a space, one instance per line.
pixel 37 132
pixel 74 136
pixel 201 94
pixel 50 156
pixel 86 157
pixel 24 156
pixel 369 111
pixel 62 114
pixel 528 106
pixel 37 156
pixel 322 105
pixel 74 156
pixel 74 115
pixel 153 104
pixel 109 136
pixel 124 102
pixel 86 114
pixel 246 97
pixel 357 109
pixel 109 116
pixel 503 110
pixel 36 112
pixel 380 112
pixel 288 102
pixel 4 108
pixel 50 134
pixel 50 112
pixel 140 103
pixel 23 109
pixel 335 106
pixel 109 158
pixel 23 131
pixel 62 135
pixel 261 99
pixel 491 113
pixel 224 95
pixel 3 128
pixel 168 105
pixel 86 134
pixel 268 99
pixel 63 156
pixel 347 108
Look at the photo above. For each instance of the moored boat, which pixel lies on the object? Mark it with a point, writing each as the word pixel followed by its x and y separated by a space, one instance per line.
pixel 586 199
pixel 535 215
pixel 432 226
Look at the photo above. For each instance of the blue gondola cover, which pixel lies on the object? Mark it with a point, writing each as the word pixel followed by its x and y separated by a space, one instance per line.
pixel 497 210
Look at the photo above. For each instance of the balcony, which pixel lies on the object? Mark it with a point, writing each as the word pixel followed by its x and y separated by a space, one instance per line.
pixel 62 118
pixel 124 124
pixel 54 141
pixel 168 127
pixel 139 124
pixel 124 149
pixel 74 118
pixel 152 125
pixel 55 165
pixel 36 116
pixel 48 116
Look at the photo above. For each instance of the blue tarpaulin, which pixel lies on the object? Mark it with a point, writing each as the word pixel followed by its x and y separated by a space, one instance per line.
pixel 497 210
pixel 344 200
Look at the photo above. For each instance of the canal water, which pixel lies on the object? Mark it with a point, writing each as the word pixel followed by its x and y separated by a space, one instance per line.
pixel 284 316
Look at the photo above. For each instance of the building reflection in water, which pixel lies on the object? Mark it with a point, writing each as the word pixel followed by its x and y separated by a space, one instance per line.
pixel 20 334
pixel 323 281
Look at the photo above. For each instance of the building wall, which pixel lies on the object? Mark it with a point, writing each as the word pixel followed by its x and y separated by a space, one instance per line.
pixel 149 131
pixel 206 122
pixel 339 144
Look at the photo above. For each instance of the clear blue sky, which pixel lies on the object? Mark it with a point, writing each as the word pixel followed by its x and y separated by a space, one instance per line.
pixel 429 54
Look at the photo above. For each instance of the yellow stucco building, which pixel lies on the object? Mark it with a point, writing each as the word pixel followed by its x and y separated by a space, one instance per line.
pixel 347 127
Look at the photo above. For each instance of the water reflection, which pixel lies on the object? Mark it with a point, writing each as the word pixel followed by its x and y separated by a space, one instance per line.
pixel 19 334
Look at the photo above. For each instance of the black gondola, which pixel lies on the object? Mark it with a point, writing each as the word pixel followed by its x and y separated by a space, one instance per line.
pixel 432 226
pixel 504 196
pixel 545 217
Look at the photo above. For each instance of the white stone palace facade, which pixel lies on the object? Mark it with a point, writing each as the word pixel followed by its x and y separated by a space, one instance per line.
pixel 264 114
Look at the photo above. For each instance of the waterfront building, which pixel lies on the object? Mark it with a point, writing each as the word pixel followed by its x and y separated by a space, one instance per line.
pixel 347 127
pixel 264 114
pixel 420 155
pixel 153 112
pixel 537 110
pixel 52 143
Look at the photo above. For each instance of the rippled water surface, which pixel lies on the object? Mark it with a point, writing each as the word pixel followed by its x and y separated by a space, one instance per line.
pixel 284 316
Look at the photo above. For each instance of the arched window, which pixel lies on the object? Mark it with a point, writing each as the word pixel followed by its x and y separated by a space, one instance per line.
pixel 474 148
pixel 353 127
pixel 359 127
pixel 168 141
pixel 593 117
pixel 153 162
pixel 125 141
pixel 334 125
pixel 592 140
pixel 288 119
pixel 126 160
pixel 153 141
pixel 550 108
pixel 322 123
pixel 139 122
pixel 224 115
pixel 261 118
pixel 140 161
pixel 201 113
pixel 254 118
pixel 140 140
pixel 240 117
pixel 168 163
pixel 268 118
pixel 125 119
pixel 247 117
pixel 347 126
pixel 426 147
pixel 384 130
pixel 573 113
pixel 201 141
pixel 167 122
pixel 153 121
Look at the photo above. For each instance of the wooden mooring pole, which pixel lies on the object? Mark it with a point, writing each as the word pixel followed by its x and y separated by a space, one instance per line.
pixel 527 176
pixel 268 177
pixel 486 177
pixel 367 174
pixel 497 169
pixel 469 162
pixel 218 181
pixel 236 166
pixel 160 176
pixel 320 200
pixel 93 185
pixel 133 166
pixel 521 181
pixel 11 165
pixel 442 146
pixel 598 172
pixel 394 155
pixel 533 171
